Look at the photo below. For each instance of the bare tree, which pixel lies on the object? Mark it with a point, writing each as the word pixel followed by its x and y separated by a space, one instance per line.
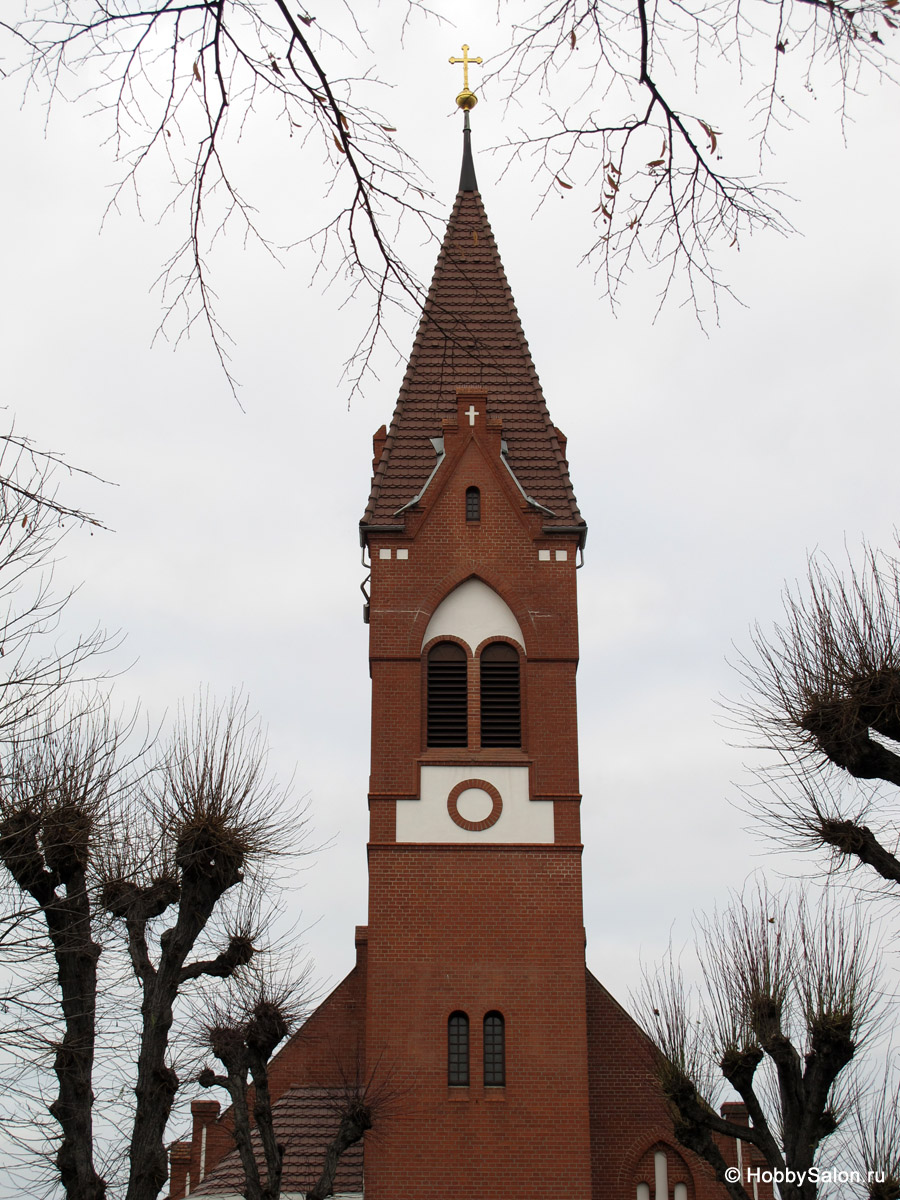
pixel 824 694
pixel 160 852
pixel 624 93
pixel 56 763
pixel 211 816
pixel 53 812
pixel 875 1135
pixel 790 995
pixel 243 1035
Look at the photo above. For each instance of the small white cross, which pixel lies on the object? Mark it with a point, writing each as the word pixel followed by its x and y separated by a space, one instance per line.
pixel 471 412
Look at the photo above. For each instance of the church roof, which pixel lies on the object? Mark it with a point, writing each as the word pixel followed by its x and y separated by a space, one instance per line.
pixel 306 1122
pixel 470 336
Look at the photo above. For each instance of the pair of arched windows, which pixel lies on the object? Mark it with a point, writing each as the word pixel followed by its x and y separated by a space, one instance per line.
pixel 493 1047
pixel 448 695
pixel 661 1179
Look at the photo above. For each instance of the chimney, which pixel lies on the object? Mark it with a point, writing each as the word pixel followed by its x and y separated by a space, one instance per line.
pixel 204 1114
pixel 179 1170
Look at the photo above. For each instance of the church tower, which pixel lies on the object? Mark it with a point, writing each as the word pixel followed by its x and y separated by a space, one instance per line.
pixel 476 984
pixel 511 1073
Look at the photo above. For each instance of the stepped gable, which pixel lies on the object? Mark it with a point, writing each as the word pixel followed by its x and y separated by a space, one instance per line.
pixel 306 1122
pixel 470 336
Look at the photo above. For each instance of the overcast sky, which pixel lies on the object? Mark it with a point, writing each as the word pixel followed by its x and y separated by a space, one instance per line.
pixel 706 463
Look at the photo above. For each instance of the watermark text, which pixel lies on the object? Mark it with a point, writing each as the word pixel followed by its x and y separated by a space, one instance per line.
pixel 812 1175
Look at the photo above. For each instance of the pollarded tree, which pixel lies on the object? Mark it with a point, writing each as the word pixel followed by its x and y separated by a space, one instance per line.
pixel 242 1032
pixel 825 696
pixel 161 853
pixel 624 96
pixel 790 996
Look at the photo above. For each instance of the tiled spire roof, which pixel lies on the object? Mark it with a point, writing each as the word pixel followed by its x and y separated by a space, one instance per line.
pixel 470 336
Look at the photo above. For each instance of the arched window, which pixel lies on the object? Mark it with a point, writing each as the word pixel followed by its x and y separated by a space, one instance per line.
pixel 458 1050
pixel 494 1051
pixel 501 707
pixel 473 504
pixel 448 709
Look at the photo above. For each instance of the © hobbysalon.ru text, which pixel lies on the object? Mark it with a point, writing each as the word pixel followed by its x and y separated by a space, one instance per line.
pixel 813 1175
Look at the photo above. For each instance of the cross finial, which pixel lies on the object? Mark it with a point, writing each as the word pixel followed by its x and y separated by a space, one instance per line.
pixel 466 98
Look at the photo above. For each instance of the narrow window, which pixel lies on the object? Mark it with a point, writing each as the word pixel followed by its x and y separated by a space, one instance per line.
pixel 448 710
pixel 501 718
pixel 473 504
pixel 458 1050
pixel 494 1051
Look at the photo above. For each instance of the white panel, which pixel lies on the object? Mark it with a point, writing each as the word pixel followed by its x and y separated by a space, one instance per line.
pixel 544 555
pixel 473 612
pixel 662 1175
pixel 474 804
pixel 680 1191
pixel 384 553
pixel 561 555
pixel 403 554
pixel 427 819
pixel 643 1191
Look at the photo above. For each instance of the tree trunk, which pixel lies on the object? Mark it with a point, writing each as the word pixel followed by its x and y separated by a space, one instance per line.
pixel 353 1125
pixel 155 1090
pixel 69 925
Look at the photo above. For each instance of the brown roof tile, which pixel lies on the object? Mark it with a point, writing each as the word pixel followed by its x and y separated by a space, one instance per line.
pixel 306 1121
pixel 470 336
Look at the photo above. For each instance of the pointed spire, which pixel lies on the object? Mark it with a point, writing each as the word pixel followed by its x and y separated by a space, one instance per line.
pixel 470 336
pixel 467 181
pixel 466 100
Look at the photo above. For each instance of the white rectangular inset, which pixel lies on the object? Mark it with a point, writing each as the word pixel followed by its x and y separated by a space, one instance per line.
pixel 544 555
pixel 403 554
pixel 384 554
pixel 428 819
pixel 562 555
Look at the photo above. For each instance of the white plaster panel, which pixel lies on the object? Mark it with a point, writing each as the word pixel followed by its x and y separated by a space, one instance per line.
pixel 474 804
pixel 473 612
pixel 427 819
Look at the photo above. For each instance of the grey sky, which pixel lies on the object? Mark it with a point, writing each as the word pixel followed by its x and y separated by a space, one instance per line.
pixel 706 464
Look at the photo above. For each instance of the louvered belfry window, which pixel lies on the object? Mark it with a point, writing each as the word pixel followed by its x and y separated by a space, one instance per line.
pixel 494 1051
pixel 458 1050
pixel 448 709
pixel 473 504
pixel 501 706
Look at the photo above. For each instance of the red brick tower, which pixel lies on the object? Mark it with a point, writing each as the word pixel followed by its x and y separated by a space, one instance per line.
pixel 476 985
pixel 512 1073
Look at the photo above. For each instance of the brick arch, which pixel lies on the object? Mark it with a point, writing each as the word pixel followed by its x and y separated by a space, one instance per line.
pixel 451 637
pixel 495 637
pixel 450 583
pixel 634 1169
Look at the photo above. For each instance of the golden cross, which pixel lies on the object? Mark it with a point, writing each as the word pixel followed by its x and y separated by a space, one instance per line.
pixel 465 60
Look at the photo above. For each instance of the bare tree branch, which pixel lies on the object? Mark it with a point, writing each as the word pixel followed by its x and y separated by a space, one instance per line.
pixel 626 88
pixel 824 694
pixel 790 995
